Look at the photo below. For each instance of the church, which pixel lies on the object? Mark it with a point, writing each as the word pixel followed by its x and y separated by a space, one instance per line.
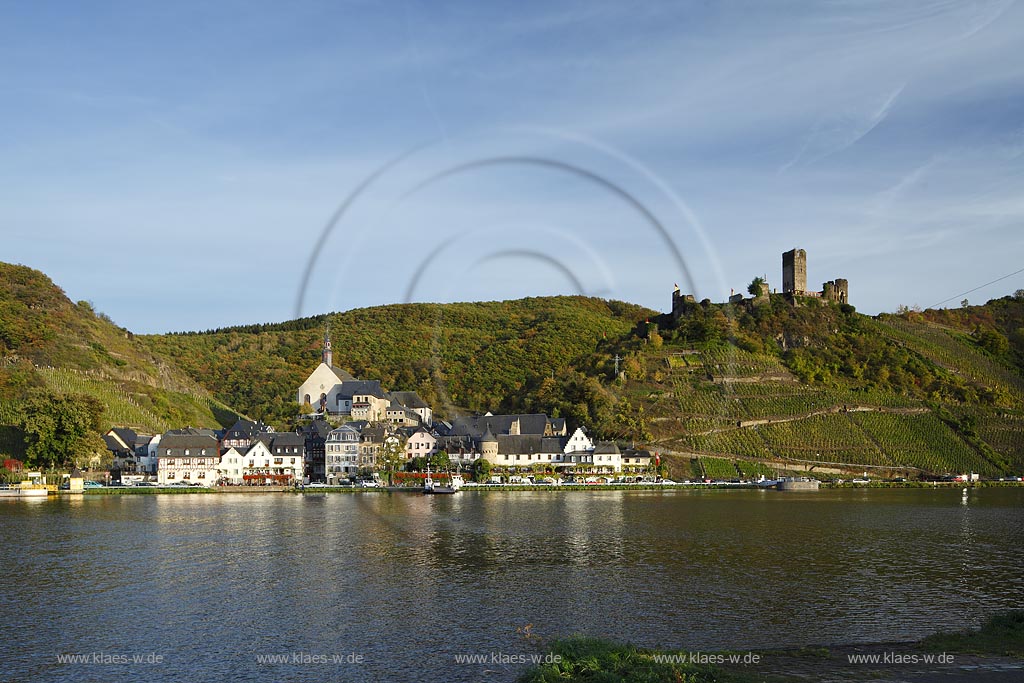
pixel 332 391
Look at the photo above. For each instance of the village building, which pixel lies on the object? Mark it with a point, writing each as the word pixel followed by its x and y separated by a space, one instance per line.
pixel 262 466
pixel 189 458
pixel 342 453
pixel 314 436
pixel 422 444
pixel 230 468
pixel 244 433
pixel 637 461
pixel 322 388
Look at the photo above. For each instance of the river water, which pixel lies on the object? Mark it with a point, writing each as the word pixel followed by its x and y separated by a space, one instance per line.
pixel 379 586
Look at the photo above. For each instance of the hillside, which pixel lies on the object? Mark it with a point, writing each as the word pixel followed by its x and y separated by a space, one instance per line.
pixel 461 357
pixel 724 390
pixel 821 385
pixel 48 342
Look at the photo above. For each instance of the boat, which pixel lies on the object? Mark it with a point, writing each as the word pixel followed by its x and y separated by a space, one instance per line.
pixel 797 484
pixel 33 487
pixel 456 482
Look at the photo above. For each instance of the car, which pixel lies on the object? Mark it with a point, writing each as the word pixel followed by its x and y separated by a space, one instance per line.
pixel 92 485
pixel 318 485
pixel 146 483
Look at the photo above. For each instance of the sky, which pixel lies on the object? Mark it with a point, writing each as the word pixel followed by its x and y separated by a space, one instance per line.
pixel 188 166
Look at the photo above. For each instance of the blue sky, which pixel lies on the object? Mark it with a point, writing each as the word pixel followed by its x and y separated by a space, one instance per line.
pixel 179 163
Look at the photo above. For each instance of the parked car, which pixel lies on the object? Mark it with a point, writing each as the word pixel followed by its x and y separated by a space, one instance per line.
pixel 92 485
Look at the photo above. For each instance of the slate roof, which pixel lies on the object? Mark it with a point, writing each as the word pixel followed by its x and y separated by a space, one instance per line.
pixel 114 445
pixel 500 424
pixel 605 448
pixel 374 434
pixel 178 442
pixel 343 375
pixel 409 399
pixel 288 439
pixel 529 443
pixel 190 431
pixel 246 429
pixel 128 436
pixel 317 428
pixel 365 386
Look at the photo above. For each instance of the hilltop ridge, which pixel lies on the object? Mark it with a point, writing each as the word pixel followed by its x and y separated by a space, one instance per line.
pixel 49 343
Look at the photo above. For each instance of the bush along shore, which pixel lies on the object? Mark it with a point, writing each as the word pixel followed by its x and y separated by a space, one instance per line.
pixel 996 647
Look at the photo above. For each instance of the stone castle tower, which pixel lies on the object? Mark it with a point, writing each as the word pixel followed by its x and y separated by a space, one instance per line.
pixel 794 280
pixel 794 272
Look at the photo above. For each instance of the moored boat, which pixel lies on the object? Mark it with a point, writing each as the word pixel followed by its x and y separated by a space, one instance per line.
pixel 797 484
pixel 455 482
pixel 33 487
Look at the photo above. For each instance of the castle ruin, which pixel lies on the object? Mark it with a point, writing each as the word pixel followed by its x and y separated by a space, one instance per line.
pixel 794 280
pixel 794 286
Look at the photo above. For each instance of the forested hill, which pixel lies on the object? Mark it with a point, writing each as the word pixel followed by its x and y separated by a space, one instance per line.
pixel 459 357
pixel 49 344
pixel 724 389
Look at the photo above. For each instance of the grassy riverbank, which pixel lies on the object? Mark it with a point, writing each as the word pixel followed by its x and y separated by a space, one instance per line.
pixel 257 490
pixel 998 646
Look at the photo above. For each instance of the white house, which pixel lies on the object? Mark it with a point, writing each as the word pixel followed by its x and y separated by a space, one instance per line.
pixel 262 467
pixel 188 458
pixel 341 453
pixel 230 469
pixel 421 444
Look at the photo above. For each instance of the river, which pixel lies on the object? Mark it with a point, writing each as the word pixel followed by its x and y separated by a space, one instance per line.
pixel 378 586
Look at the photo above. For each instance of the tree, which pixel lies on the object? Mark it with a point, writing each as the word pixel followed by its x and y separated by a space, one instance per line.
pixel 993 342
pixel 482 470
pixel 440 460
pixel 965 303
pixel 754 288
pixel 391 457
pixel 61 428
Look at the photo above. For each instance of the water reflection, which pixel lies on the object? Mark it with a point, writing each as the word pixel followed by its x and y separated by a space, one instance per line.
pixel 411 580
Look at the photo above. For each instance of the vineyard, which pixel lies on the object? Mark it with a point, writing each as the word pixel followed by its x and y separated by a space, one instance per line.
pixel 147 409
pixel 951 350
pixel 1004 432
pixel 719 468
pixel 823 438
pixel 921 441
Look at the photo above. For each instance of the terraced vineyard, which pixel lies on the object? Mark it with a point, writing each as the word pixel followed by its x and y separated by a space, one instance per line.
pixel 1004 431
pixel 126 409
pixel 753 470
pixel 743 442
pixel 719 468
pixel 823 438
pixel 952 351
pixel 921 441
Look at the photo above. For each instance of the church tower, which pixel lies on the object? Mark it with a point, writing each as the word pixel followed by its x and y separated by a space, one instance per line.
pixel 328 354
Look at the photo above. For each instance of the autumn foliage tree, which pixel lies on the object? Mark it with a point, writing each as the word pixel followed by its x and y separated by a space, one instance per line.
pixel 61 428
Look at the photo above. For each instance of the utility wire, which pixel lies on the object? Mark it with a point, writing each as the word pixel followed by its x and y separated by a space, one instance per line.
pixel 978 287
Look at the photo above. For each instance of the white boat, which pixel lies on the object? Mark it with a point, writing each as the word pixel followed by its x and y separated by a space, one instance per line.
pixel 456 482
pixel 34 487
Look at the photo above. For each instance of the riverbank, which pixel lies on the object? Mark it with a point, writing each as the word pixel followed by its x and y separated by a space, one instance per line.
pixel 994 653
pixel 502 488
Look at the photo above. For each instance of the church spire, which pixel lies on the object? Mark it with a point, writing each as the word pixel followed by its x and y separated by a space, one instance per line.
pixel 328 354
